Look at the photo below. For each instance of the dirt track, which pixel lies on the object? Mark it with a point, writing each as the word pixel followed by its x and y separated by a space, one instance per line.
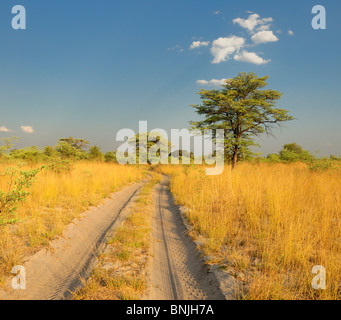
pixel 177 272
pixel 52 274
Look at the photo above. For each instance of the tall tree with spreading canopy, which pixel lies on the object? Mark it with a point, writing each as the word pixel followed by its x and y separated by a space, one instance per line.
pixel 243 108
pixel 79 144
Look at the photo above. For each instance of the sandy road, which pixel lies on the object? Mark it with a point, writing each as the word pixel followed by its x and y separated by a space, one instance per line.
pixel 52 273
pixel 177 272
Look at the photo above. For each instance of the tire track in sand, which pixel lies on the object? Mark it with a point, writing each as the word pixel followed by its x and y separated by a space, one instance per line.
pixel 177 271
pixel 53 273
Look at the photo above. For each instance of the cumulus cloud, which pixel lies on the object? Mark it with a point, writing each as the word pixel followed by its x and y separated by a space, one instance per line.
pixel 225 48
pixel 291 33
pixel 198 44
pixel 27 129
pixel 264 37
pixel 4 129
pixel 253 21
pixel 222 48
pixel 213 82
pixel 250 57
pixel 263 27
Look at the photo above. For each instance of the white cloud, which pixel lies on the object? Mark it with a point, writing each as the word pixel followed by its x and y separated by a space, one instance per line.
pixel 213 82
pixel 222 48
pixel 176 48
pixel 263 27
pixel 264 37
pixel 291 33
pixel 198 44
pixel 217 12
pixel 27 129
pixel 4 129
pixel 253 21
pixel 250 57
pixel 203 82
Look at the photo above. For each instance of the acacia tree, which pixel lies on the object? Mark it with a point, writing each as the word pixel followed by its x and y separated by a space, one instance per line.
pixel 148 141
pixel 79 144
pixel 243 108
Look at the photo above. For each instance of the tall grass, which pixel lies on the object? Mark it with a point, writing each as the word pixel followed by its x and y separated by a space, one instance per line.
pixel 55 200
pixel 271 223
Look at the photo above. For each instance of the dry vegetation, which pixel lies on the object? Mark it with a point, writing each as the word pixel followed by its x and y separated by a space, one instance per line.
pixel 268 225
pixel 56 199
pixel 121 270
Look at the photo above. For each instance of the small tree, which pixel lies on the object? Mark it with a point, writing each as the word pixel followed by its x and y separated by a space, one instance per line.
pixel 95 153
pixel 7 144
pixel 66 150
pixel 147 141
pixel 50 152
pixel 110 156
pixel 293 152
pixel 19 182
pixel 243 109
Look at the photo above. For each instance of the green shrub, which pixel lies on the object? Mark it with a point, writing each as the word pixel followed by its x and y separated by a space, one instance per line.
pixel 19 183
pixel 60 166
pixel 322 165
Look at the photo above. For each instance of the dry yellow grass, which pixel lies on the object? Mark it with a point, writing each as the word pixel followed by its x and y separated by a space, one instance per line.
pixel 55 200
pixel 268 224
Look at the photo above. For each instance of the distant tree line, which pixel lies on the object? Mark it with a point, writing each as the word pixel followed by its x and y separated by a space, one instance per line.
pixel 66 149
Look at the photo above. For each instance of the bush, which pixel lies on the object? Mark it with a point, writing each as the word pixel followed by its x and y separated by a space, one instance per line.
pixel 30 154
pixel 322 165
pixel 19 183
pixel 273 157
pixel 292 153
pixel 110 157
pixel 61 166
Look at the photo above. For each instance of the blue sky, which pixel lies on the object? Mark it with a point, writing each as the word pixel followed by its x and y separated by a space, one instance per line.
pixel 90 68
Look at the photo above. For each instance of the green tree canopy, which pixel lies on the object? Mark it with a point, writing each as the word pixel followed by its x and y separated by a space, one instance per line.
pixel 95 153
pixel 66 150
pixel 110 156
pixel 292 152
pixel 149 140
pixel 243 108
pixel 79 144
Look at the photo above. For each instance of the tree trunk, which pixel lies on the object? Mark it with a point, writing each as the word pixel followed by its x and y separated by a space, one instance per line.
pixel 234 158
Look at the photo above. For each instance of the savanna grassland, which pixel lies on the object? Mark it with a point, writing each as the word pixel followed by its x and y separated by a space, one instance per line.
pixel 59 193
pixel 267 224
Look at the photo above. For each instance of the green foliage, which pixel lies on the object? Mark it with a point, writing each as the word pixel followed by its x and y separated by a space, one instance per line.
pixel 147 141
pixel 95 153
pixel 243 109
pixel 274 158
pixel 335 158
pixel 110 156
pixel 79 144
pixel 50 152
pixel 19 183
pixel 293 147
pixel 30 154
pixel 59 165
pixel 7 144
pixel 72 148
pixel 292 152
pixel 322 165
pixel 66 150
